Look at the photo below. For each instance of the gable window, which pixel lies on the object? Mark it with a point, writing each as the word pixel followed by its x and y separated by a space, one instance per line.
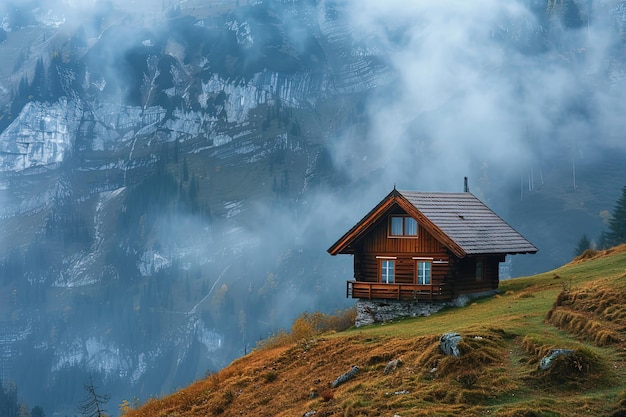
pixel 423 272
pixel 402 226
pixel 387 271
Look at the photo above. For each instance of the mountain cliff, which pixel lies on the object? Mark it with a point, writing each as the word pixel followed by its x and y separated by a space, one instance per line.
pixel 170 178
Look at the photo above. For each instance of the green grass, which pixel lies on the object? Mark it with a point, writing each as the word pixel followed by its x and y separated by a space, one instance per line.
pixel 504 339
pixel 520 308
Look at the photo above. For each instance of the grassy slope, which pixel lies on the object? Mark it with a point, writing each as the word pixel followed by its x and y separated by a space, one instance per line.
pixel 504 339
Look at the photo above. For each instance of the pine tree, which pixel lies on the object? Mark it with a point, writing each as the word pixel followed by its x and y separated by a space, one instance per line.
pixel 617 224
pixel 602 241
pixel 37 411
pixel 185 170
pixel 38 86
pixel 54 88
pixel 93 404
pixel 8 400
pixel 582 245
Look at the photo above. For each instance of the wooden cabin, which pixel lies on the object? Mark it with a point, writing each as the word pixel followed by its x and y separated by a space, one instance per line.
pixel 428 246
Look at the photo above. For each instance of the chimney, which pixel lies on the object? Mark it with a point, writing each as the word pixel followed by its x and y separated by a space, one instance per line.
pixel 466 186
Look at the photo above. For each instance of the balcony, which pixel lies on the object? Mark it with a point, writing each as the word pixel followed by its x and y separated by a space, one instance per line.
pixel 369 290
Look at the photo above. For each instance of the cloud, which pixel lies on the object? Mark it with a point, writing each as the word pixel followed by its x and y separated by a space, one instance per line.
pixel 486 83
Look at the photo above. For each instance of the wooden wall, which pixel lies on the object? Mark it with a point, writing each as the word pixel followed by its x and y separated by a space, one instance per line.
pixel 366 268
pixel 459 274
pixel 463 274
pixel 377 243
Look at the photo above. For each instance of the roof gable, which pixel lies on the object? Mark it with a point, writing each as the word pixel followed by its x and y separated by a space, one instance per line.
pixel 460 221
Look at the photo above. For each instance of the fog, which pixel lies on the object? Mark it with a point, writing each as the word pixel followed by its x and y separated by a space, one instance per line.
pixel 483 89
pixel 486 89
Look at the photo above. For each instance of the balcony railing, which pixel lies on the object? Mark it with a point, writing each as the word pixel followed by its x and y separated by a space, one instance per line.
pixel 369 290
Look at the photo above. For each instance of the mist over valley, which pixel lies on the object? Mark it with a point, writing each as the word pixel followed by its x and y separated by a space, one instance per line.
pixel 172 173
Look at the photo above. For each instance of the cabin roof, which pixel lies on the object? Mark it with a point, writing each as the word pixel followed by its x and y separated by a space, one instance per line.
pixel 460 221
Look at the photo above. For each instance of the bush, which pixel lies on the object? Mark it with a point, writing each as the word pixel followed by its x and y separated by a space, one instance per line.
pixel 308 325
pixel 468 379
pixel 327 395
pixel 271 376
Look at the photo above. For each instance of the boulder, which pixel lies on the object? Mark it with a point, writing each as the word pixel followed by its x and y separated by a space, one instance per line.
pixel 345 377
pixel 448 344
pixel 546 361
pixel 392 366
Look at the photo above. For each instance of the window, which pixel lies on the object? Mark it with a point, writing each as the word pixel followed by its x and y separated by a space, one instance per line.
pixel 402 226
pixel 396 226
pixel 423 272
pixel 387 271
pixel 480 269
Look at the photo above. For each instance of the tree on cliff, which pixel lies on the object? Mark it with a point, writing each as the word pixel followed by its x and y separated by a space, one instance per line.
pixel 93 404
pixel 583 244
pixel 617 223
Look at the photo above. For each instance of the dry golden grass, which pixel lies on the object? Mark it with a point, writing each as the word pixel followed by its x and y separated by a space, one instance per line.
pixel 594 311
pixel 504 339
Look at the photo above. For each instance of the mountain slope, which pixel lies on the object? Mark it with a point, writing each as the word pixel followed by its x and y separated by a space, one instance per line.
pixel 171 174
pixel 497 373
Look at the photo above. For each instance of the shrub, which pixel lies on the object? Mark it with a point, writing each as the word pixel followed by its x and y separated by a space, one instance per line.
pixel 327 395
pixel 271 376
pixel 228 397
pixel 468 379
pixel 302 329
pixel 308 325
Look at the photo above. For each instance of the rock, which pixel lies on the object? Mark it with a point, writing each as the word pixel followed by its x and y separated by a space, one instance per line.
pixel 382 311
pixel 461 301
pixel 448 344
pixel 345 377
pixel 392 366
pixel 546 361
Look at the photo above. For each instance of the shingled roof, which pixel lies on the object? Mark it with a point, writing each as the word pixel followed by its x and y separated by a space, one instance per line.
pixel 460 221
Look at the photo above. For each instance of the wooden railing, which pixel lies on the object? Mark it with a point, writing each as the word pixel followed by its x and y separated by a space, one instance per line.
pixel 369 290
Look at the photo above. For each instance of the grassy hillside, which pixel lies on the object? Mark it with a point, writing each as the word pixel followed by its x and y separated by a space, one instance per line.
pixel 580 306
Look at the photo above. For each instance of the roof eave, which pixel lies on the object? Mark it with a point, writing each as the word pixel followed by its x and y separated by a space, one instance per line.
pixel 341 246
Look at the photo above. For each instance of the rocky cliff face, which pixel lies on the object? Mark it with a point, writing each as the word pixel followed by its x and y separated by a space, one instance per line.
pixel 41 137
pixel 133 176
pixel 169 182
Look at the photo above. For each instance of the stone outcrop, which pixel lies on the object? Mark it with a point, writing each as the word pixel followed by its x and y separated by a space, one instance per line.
pixel 546 361
pixel 392 366
pixel 448 344
pixel 42 135
pixel 380 311
pixel 346 377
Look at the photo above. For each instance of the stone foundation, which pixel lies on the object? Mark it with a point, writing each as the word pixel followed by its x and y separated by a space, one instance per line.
pixel 380 311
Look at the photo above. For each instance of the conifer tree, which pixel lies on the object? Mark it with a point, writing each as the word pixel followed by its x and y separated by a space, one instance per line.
pixel 37 411
pixel 617 224
pixel 8 400
pixel 38 86
pixel 93 404
pixel 582 245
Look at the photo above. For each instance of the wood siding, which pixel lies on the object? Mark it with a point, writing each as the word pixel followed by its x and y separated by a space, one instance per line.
pixel 371 290
pixel 464 274
pixel 450 276
pixel 455 231
pixel 378 244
